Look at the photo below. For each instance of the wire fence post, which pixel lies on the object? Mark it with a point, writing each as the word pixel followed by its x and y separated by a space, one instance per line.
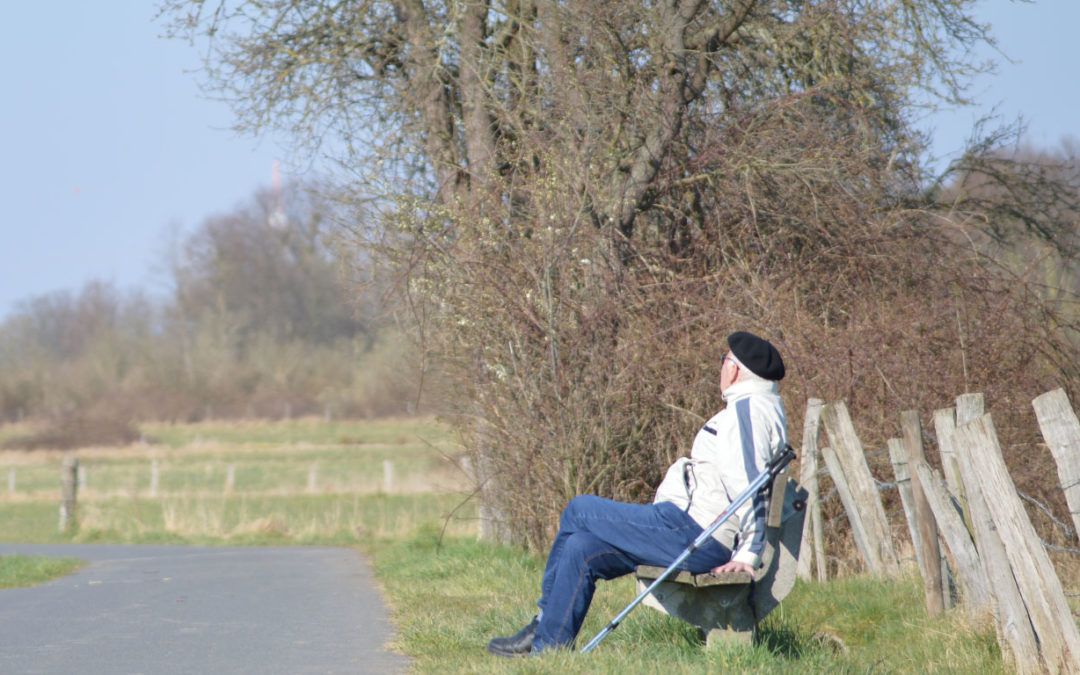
pixel 69 484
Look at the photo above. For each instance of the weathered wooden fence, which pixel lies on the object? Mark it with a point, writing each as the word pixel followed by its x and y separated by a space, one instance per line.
pixel 966 522
pixel 851 474
pixel 74 476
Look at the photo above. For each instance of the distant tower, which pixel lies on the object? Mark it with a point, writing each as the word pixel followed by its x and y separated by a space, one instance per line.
pixel 277 218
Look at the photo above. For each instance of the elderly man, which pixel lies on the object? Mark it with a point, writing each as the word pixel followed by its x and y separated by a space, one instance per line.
pixel 602 539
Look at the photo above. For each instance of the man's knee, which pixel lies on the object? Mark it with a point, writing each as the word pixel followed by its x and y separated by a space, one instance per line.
pixel 581 547
pixel 571 516
pixel 594 558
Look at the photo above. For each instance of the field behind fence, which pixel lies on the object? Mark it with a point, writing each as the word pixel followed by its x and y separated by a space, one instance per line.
pixel 303 480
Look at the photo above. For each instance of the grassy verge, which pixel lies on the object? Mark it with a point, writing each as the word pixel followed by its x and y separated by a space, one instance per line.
pixel 17 571
pixel 450 597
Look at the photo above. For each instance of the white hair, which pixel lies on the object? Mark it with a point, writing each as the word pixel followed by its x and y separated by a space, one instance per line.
pixel 745 374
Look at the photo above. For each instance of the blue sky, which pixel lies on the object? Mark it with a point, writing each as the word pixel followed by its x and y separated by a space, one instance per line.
pixel 107 145
pixel 1036 78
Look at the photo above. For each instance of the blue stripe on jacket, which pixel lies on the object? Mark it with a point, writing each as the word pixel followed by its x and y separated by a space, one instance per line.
pixel 746 435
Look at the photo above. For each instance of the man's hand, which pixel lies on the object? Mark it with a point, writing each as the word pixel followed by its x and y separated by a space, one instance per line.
pixel 733 566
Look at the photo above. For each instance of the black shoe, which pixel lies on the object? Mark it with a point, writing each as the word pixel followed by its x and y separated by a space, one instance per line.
pixel 518 644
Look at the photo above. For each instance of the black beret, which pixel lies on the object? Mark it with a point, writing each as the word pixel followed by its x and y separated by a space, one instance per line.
pixel 757 354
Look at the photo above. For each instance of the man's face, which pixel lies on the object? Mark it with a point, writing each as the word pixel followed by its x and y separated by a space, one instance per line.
pixel 729 372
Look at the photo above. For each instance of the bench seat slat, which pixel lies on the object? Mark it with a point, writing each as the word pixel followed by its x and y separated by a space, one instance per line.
pixel 697 580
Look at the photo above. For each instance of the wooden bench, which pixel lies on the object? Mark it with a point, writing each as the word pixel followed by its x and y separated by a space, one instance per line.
pixel 728 607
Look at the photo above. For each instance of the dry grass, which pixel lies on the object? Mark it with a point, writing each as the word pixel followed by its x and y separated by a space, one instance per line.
pixel 297 481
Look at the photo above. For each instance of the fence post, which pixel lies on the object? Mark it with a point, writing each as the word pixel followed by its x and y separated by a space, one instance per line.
pixel 809 480
pixel 467 468
pixel 945 427
pixel 851 509
pixel 388 476
pixel 11 481
pixel 230 478
pixel 1061 430
pixel 969 407
pixel 924 517
pixel 313 478
pixel 1016 634
pixel 69 486
pixel 957 538
pixel 866 508
pixel 945 423
pixel 898 456
pixel 1039 584
pixel 155 475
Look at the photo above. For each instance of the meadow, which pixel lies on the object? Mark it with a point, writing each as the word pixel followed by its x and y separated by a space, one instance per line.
pixel 304 482
pixel 397 490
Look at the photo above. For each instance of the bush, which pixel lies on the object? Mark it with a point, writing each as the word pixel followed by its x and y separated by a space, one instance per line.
pixel 77 432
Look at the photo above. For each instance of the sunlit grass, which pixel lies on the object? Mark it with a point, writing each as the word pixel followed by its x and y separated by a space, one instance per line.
pixel 299 519
pixel 281 458
pixel 20 570
pixel 451 596
pixel 301 481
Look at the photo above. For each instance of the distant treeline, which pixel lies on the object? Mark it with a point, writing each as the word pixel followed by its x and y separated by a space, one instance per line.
pixel 259 321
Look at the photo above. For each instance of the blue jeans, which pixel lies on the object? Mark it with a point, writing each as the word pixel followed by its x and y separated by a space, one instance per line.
pixel 602 539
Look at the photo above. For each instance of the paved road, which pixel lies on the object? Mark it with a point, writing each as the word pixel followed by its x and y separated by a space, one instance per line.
pixel 164 609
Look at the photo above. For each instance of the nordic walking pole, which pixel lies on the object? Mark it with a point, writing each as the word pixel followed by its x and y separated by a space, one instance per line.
pixel 763 479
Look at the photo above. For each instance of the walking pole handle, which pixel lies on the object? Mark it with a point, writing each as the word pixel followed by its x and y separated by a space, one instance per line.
pixel 780 462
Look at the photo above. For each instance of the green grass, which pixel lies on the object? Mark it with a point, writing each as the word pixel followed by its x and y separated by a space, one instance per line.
pixel 256 467
pixel 449 598
pixel 18 571
pixel 343 520
pixel 272 498
pixel 280 458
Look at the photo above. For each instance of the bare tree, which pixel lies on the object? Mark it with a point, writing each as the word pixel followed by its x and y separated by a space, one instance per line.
pixel 470 93
pixel 583 198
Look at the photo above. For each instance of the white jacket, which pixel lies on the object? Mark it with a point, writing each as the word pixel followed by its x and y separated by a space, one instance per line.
pixel 728 453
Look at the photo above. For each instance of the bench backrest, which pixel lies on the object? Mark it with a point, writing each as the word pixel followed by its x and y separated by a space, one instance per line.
pixel 783 538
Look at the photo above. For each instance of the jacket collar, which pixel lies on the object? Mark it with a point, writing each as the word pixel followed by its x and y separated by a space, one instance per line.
pixel 749 387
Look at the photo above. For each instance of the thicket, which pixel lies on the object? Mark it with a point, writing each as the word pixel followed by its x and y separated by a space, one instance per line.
pixel 579 201
pixel 263 317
